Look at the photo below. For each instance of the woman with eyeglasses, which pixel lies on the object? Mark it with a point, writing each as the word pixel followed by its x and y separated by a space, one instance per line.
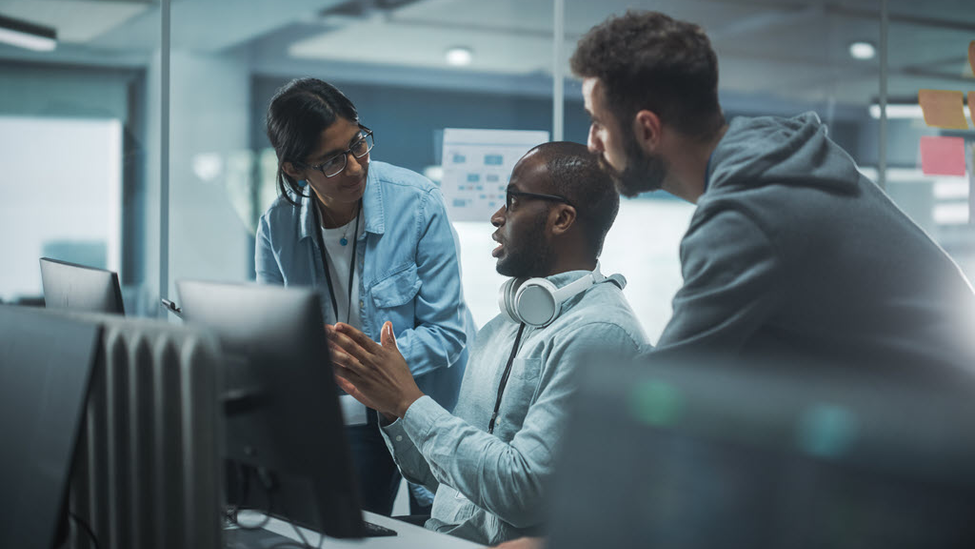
pixel 375 240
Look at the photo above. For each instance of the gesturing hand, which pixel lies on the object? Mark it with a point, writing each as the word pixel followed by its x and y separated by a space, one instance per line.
pixel 375 375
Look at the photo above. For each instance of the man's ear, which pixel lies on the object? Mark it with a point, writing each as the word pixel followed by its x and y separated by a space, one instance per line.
pixel 647 129
pixel 289 169
pixel 561 218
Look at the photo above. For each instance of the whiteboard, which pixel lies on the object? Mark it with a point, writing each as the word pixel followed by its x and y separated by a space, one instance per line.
pixel 476 166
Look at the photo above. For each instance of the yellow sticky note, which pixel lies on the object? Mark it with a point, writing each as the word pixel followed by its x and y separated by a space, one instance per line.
pixel 943 109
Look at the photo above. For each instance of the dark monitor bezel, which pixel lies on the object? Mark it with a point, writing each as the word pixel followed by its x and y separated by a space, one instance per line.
pixel 277 378
pixel 74 287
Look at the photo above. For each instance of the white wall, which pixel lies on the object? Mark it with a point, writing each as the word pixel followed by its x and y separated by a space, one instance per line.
pixel 643 245
pixel 60 182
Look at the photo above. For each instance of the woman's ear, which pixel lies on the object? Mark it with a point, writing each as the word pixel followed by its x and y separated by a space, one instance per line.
pixel 292 172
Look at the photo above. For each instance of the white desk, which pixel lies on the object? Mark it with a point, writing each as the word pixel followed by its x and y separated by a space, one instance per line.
pixel 410 536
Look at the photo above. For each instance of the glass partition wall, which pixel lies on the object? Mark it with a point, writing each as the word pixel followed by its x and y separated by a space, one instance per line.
pixel 80 127
pixel 412 68
pixel 929 147
pixel 138 143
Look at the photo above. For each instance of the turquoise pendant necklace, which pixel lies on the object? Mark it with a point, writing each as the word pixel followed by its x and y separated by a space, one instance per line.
pixel 345 236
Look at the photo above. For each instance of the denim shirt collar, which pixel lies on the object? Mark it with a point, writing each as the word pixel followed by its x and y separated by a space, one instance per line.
pixel 567 277
pixel 372 208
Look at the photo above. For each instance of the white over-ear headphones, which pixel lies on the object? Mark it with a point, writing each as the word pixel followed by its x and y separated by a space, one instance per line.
pixel 537 302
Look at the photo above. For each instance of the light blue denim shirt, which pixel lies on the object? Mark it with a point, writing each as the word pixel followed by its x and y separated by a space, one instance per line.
pixel 409 271
pixel 489 487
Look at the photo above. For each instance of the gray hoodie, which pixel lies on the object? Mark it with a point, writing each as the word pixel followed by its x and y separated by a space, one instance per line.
pixel 791 250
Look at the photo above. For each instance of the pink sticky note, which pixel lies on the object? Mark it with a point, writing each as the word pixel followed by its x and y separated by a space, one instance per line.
pixel 942 155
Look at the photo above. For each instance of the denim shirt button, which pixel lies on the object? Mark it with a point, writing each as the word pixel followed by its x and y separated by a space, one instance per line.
pixel 399 438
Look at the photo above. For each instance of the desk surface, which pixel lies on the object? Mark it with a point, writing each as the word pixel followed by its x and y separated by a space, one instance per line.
pixel 410 536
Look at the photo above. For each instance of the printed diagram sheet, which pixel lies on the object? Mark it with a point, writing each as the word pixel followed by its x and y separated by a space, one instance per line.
pixel 476 166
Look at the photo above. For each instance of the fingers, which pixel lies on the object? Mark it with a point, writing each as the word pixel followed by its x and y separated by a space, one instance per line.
pixel 339 341
pixel 387 336
pixel 344 359
pixel 357 336
pixel 349 376
pixel 345 384
pixel 346 380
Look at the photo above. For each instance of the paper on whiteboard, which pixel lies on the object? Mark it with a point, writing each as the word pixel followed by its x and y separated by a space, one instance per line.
pixel 476 165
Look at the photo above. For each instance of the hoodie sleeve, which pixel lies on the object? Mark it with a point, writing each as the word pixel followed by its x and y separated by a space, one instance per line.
pixel 732 280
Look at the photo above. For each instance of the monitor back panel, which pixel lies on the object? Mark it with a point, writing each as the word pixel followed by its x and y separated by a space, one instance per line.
pixel 79 288
pixel 281 400
pixel 45 366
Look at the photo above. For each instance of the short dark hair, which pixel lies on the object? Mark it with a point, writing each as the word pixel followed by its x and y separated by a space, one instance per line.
pixel 299 112
pixel 647 60
pixel 575 174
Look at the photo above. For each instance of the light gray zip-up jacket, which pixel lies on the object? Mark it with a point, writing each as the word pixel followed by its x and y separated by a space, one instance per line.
pixel 490 487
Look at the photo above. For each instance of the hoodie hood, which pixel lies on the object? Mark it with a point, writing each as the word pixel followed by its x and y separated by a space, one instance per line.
pixel 766 150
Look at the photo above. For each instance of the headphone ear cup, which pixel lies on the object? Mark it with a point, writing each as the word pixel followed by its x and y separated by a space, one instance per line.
pixel 506 299
pixel 535 303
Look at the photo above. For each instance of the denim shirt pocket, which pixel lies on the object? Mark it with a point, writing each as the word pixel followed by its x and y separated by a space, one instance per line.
pixel 518 394
pixel 396 289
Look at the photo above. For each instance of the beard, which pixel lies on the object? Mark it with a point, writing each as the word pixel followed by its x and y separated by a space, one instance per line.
pixel 644 172
pixel 529 254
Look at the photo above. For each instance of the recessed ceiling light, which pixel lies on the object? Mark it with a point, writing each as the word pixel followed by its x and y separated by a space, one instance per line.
pixel 862 50
pixel 27 35
pixel 459 56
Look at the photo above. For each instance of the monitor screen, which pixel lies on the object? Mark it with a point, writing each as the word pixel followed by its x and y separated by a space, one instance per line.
pixel 80 288
pixel 286 443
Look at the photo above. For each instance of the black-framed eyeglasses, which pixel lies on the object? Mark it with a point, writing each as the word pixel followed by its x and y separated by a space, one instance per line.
pixel 512 195
pixel 360 147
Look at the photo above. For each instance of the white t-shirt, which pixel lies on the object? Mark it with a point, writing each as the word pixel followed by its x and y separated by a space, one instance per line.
pixel 339 259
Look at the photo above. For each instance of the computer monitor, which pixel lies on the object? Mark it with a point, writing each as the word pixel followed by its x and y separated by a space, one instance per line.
pixel 45 367
pixel 80 288
pixel 696 452
pixel 284 423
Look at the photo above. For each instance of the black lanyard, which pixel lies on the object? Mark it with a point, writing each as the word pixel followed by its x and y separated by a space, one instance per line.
pixel 504 379
pixel 328 276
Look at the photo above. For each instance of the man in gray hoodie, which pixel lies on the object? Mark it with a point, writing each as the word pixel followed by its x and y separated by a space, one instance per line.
pixel 791 249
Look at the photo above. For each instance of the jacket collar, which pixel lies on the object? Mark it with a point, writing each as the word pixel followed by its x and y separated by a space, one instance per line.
pixel 372 208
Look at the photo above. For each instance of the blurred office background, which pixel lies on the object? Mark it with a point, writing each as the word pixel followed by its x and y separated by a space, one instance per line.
pixel 138 143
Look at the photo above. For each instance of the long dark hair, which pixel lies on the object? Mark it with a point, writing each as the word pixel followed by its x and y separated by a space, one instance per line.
pixel 298 114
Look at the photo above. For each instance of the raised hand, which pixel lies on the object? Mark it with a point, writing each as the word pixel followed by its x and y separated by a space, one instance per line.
pixel 375 375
